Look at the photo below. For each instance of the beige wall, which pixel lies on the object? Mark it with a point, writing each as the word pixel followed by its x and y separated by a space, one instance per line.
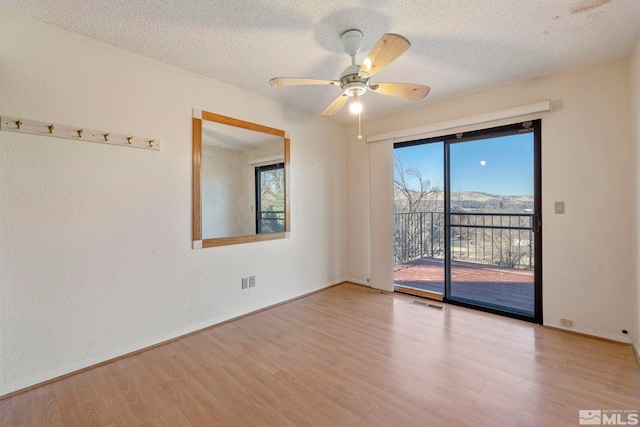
pixel 588 269
pixel 95 240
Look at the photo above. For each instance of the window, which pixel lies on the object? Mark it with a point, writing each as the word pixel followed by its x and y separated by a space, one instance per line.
pixel 270 199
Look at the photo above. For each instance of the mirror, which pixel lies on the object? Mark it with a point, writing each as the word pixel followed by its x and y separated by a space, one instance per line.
pixel 240 176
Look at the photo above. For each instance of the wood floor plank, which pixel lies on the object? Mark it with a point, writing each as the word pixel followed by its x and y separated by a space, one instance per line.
pixel 47 407
pixel 211 395
pixel 40 408
pixel 6 413
pixel 79 404
pixel 347 356
pixel 123 403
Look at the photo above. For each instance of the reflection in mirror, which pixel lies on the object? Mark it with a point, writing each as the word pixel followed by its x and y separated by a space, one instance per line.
pixel 270 197
pixel 239 183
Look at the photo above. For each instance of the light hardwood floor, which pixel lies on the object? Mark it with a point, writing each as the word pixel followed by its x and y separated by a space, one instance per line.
pixel 347 356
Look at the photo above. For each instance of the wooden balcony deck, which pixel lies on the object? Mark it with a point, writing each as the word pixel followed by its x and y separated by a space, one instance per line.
pixel 510 289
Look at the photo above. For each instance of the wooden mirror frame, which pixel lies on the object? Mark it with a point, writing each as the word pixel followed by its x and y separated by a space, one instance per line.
pixel 198 241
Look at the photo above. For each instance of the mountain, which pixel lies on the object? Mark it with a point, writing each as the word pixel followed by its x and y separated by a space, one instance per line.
pixel 468 201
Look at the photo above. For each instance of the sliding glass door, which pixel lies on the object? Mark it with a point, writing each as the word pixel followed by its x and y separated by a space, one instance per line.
pixel 419 234
pixel 467 219
pixel 491 222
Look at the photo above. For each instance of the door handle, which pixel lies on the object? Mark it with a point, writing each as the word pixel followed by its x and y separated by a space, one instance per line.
pixel 537 223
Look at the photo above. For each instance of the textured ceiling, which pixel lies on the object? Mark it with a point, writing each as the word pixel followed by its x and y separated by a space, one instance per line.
pixel 458 46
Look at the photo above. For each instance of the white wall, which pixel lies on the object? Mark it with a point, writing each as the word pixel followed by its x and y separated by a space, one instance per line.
pixel 95 240
pixel 635 126
pixel 588 267
pixel 221 193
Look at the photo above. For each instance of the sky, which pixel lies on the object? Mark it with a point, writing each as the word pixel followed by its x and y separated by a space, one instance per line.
pixel 501 165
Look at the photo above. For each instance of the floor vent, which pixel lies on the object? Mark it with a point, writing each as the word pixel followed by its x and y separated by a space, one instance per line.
pixel 424 304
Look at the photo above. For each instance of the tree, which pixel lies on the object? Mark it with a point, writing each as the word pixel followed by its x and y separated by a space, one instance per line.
pixel 418 219
pixel 271 199
pixel 414 193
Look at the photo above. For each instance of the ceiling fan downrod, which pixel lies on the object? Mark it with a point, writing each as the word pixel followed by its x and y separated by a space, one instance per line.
pixel 351 83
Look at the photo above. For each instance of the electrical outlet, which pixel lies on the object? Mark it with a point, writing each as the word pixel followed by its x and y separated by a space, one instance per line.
pixel 252 281
pixel 245 282
pixel 566 322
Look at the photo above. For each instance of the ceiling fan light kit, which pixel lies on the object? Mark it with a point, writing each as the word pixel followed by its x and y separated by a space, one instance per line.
pixel 355 79
pixel 356 106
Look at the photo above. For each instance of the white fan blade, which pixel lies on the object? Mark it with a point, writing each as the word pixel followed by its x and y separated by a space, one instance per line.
pixel 408 91
pixel 388 48
pixel 336 106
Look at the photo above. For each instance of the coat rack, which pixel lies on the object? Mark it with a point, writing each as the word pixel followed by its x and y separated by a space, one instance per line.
pixel 13 124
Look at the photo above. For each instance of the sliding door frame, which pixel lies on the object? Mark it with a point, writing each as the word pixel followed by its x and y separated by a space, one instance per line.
pixel 534 126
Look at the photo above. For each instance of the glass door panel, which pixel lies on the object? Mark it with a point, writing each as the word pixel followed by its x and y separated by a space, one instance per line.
pixel 418 211
pixel 491 221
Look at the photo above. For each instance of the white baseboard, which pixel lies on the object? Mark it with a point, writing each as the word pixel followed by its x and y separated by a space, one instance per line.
pixel 357 281
pixel 611 337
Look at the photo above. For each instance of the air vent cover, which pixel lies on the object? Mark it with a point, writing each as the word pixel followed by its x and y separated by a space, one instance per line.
pixel 428 305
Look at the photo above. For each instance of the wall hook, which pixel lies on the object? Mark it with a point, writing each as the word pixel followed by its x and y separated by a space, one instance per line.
pixel 51 128
pixel 151 142
pixel 80 133
pixel 19 123
pixel 129 139
pixel 106 136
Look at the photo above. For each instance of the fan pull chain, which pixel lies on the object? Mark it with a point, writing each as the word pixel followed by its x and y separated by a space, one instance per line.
pixel 359 126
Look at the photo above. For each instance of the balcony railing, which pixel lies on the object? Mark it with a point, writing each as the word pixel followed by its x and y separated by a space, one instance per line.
pixel 270 222
pixel 501 240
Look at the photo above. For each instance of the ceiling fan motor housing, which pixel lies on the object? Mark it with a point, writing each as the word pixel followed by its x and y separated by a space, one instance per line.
pixel 353 86
pixel 351 83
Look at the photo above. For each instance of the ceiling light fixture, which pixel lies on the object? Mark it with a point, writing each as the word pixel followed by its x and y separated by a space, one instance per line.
pixel 356 105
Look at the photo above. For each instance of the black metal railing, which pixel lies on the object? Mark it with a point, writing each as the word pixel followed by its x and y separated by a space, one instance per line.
pixel 270 222
pixel 417 235
pixel 498 239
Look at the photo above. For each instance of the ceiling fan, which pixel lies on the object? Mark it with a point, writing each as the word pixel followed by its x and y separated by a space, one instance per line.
pixel 355 79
